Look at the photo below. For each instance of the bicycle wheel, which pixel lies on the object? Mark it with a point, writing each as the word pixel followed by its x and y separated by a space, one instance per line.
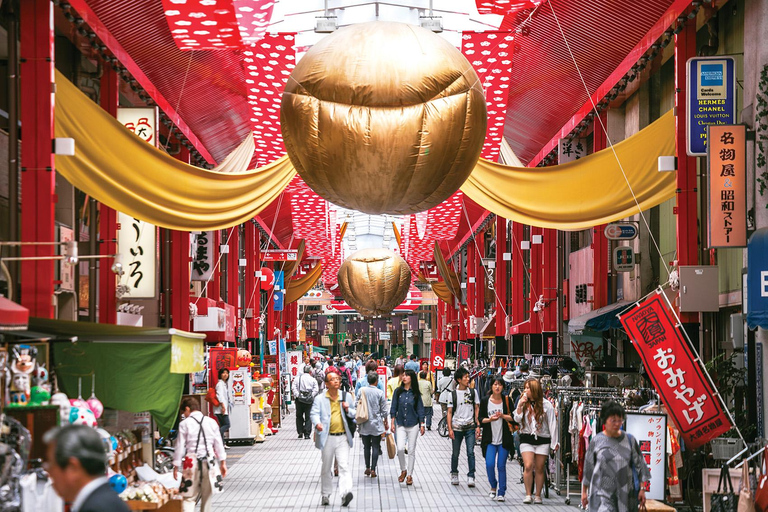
pixel 442 427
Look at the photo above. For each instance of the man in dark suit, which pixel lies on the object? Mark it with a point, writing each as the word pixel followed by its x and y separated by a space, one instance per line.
pixel 77 463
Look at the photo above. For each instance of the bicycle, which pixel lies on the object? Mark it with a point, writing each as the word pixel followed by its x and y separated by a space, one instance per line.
pixel 442 427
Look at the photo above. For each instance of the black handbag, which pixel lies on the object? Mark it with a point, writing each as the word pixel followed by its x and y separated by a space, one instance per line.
pixel 725 499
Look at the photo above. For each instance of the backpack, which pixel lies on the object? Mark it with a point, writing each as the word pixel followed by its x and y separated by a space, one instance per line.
pixel 305 396
pixel 319 377
pixel 361 416
pixel 351 425
pixel 345 378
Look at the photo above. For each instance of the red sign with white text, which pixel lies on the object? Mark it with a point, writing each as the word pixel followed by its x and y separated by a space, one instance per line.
pixel 462 353
pixel 677 376
pixel 437 357
pixel 279 255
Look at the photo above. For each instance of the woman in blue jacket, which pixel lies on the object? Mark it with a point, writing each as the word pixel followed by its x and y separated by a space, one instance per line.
pixel 407 414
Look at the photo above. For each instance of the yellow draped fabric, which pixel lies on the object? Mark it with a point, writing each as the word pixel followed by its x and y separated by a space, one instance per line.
pixel 449 276
pixel 439 288
pixel 122 171
pixel 298 287
pixel 585 193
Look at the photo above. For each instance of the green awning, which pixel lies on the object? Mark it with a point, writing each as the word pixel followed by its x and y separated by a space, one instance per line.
pixel 137 369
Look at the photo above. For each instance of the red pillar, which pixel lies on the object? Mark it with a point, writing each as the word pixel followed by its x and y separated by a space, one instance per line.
pixel 687 229
pixel 110 99
pixel 180 277
pixel 500 277
pixel 463 320
pixel 252 293
pixel 599 242
pixel 439 328
pixel 471 280
pixel 213 290
pixel 518 275
pixel 537 283
pixel 233 272
pixel 38 175
pixel 479 247
pixel 550 280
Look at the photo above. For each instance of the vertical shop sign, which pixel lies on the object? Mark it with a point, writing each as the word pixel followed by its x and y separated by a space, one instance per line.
pixel 571 150
pixel 462 353
pixel 272 347
pixel 238 386
pixel 279 289
pixel 202 259
pixel 711 99
pixel 650 430
pixel 678 376
pixel 294 360
pixel 437 355
pixel 756 304
pixel 283 357
pixel 66 271
pixel 727 222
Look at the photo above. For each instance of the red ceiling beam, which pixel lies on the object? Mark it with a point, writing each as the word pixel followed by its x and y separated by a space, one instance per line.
pixel 664 23
pixel 93 21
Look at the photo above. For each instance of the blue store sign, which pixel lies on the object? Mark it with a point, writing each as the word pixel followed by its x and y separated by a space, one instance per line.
pixel 711 99
pixel 279 287
pixel 757 279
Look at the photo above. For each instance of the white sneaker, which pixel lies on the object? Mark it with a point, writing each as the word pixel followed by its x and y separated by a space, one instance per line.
pixel 537 500
pixel 528 500
pixel 492 494
pixel 454 479
pixel 499 498
pixel 471 481
pixel 325 501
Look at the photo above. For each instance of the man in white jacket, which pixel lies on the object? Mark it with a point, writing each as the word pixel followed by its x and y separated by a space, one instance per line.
pixel 331 415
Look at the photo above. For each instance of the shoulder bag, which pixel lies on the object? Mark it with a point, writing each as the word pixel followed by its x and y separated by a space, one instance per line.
pixel 761 493
pixel 391 445
pixel 746 498
pixel 725 499
pixel 361 415
pixel 351 425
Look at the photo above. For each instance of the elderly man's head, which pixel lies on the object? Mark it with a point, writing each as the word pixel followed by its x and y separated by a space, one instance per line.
pixel 75 456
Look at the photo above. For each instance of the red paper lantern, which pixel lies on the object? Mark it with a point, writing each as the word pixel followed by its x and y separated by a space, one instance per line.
pixel 267 279
pixel 243 358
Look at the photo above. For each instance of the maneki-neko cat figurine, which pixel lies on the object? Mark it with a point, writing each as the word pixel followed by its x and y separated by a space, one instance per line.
pixel 22 368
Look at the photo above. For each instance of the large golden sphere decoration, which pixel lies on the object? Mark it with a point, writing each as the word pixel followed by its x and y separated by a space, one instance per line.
pixel 374 281
pixel 384 117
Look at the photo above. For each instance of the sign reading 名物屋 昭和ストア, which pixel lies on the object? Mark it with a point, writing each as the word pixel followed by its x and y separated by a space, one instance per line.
pixel 711 99
pixel 727 186
pixel 678 377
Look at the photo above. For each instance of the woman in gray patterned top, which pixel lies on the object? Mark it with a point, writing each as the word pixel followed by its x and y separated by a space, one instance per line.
pixel 608 484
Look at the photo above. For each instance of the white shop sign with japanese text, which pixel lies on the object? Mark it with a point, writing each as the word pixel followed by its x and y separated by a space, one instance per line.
pixel 202 259
pixel 137 242
pixel 571 151
pixel 650 430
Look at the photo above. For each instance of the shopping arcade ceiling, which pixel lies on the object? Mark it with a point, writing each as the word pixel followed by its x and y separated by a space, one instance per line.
pixel 218 94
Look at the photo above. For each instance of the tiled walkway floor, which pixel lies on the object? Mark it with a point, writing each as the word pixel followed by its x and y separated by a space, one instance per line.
pixel 283 473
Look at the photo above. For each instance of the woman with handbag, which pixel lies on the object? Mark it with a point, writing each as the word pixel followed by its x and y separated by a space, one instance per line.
pixel 377 423
pixel 612 466
pixel 407 414
pixel 200 454
pixel 496 441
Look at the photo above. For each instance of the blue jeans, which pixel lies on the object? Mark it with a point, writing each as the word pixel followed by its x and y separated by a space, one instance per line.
pixel 223 423
pixel 468 436
pixel 428 416
pixel 516 437
pixel 496 455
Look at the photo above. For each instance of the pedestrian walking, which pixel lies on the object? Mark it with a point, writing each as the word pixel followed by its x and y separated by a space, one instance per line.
pixel 221 411
pixel 77 465
pixel 200 454
pixel 538 434
pixel 370 366
pixel 331 415
pixel 372 430
pixel 394 382
pixel 319 375
pixel 413 364
pixel 445 387
pixel 305 389
pixel 496 442
pixel 407 414
pixel 612 460
pixel 430 375
pixel 463 424
pixel 427 390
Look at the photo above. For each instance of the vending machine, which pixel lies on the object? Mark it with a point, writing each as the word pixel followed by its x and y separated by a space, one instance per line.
pixel 241 430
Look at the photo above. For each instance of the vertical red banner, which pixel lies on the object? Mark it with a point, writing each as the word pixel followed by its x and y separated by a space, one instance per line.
pixel 677 376
pixel 437 356
pixel 462 353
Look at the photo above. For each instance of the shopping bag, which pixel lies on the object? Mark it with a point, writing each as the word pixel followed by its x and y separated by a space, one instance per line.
pixel 391 446
pixel 761 493
pixel 361 415
pixel 746 499
pixel 724 500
